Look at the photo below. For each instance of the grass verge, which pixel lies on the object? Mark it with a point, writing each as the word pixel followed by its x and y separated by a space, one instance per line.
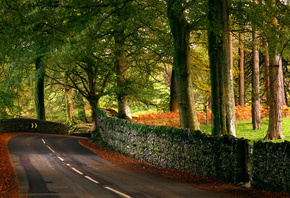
pixel 244 130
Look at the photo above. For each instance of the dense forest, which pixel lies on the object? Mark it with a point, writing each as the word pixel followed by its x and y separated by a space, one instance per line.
pixel 60 59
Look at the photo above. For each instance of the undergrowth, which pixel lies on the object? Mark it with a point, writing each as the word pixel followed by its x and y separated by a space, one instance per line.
pixel 243 127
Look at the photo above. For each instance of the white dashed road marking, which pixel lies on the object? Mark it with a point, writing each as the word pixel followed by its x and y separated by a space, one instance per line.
pixel 61 159
pixel 77 171
pixel 51 149
pixel 117 192
pixel 88 177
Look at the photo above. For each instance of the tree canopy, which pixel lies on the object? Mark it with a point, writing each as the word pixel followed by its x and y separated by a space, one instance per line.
pixel 108 50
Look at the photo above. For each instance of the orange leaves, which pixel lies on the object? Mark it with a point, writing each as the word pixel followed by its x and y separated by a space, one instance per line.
pixel 164 118
pixel 8 181
pixel 167 118
pixel 285 111
pixel 172 118
pixel 243 113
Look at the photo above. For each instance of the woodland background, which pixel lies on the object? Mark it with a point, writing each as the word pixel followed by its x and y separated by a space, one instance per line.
pixel 61 59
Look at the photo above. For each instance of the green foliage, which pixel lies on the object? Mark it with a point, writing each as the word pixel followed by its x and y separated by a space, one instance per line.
pixel 10 89
pixel 73 37
pixel 200 69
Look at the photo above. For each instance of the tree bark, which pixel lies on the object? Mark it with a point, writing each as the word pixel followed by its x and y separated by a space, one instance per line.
pixel 267 70
pixel 180 30
pixel 242 72
pixel 39 89
pixel 70 114
pixel 275 115
pixel 68 101
pixel 223 111
pixel 92 97
pixel 256 118
pixel 283 96
pixel 94 105
pixel 231 82
pixel 122 75
pixel 173 96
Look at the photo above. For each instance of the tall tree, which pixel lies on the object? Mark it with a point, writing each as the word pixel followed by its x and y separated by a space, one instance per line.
pixel 69 102
pixel 256 117
pixel 120 32
pixel 275 115
pixel 39 89
pixel 180 29
pixel 122 75
pixel 242 71
pixel 223 112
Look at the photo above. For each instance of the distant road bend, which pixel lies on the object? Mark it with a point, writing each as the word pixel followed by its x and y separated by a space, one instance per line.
pixel 51 166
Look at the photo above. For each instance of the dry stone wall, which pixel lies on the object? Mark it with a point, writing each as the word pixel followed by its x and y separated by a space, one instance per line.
pixel 32 125
pixel 221 157
pixel 271 166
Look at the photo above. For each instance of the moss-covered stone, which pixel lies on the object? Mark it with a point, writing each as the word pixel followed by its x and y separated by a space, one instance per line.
pixel 180 149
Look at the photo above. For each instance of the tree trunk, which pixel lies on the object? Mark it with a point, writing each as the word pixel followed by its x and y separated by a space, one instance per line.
pixel 275 115
pixel 181 34
pixel 68 100
pixel 206 115
pixel 70 114
pixel 81 108
pixel 242 72
pixel 173 96
pixel 94 105
pixel 283 98
pixel 92 98
pixel 223 111
pixel 231 82
pixel 267 70
pixel 39 89
pixel 256 118
pixel 122 75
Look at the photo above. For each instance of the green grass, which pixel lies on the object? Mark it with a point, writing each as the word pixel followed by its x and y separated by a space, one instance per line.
pixel 244 130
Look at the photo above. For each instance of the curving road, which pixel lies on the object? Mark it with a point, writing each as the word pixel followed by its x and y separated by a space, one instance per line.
pixel 50 166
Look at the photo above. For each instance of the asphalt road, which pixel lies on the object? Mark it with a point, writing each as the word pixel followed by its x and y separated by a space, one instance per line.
pixel 50 166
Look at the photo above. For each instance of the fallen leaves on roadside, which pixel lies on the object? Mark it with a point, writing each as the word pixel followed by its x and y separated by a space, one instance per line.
pixel 8 180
